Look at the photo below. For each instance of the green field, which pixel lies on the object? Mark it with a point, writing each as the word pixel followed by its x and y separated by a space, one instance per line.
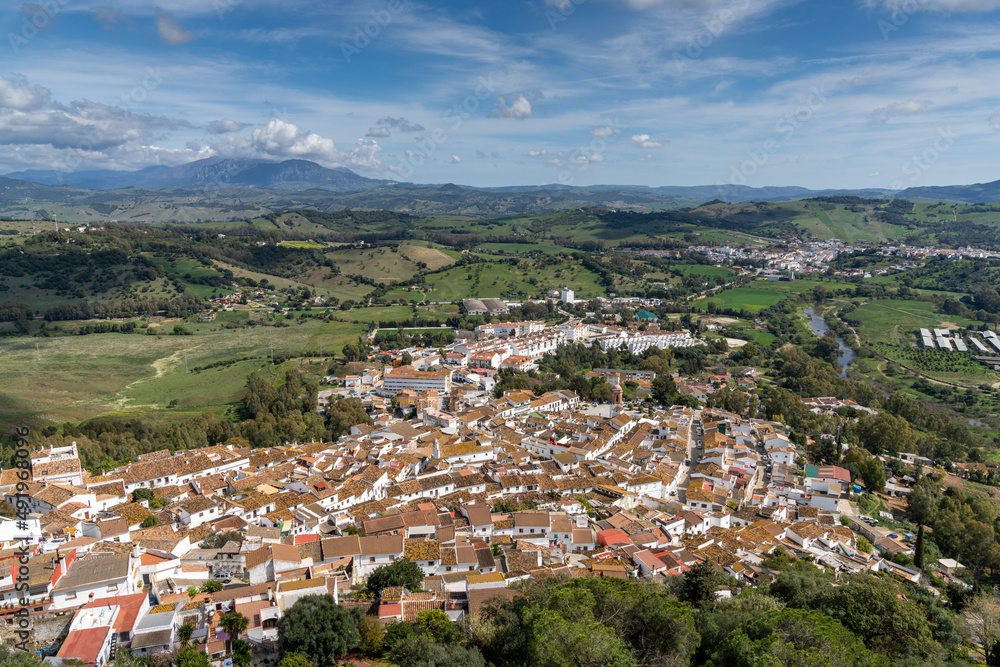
pixel 79 376
pixel 491 279
pixel 896 321
pixel 524 248
pixel 739 298
pixel 396 313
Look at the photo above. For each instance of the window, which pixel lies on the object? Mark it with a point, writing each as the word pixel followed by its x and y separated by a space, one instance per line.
pixel 372 559
pixel 448 569
pixel 430 562
pixel 71 596
pixel 112 588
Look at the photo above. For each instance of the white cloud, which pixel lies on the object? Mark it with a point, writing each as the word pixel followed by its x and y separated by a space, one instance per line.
pixel 605 131
pixel 646 141
pixel 282 139
pixel 170 30
pixel 648 157
pixel 21 96
pixel 379 132
pixel 455 159
pixel 520 107
pixel 286 140
pixel 909 108
pixel 224 126
pixel 534 153
pixel 81 125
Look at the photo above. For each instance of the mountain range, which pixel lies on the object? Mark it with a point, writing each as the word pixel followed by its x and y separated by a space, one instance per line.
pixel 218 187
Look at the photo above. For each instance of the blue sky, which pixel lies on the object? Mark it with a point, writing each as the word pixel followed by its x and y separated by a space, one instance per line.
pixel 840 93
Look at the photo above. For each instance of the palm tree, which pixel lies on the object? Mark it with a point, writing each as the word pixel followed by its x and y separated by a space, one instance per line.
pixel 184 633
pixel 235 624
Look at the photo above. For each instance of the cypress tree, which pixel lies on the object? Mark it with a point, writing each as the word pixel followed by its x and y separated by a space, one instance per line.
pixel 918 551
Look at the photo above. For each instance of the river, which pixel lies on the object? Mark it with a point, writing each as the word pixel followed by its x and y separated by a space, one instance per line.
pixel 845 355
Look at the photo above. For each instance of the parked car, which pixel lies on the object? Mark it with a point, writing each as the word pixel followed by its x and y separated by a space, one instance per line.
pixel 222 576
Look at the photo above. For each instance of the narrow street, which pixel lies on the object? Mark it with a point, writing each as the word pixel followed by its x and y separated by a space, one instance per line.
pixel 694 440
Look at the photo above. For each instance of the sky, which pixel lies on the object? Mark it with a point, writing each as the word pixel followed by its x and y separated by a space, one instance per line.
pixel 820 94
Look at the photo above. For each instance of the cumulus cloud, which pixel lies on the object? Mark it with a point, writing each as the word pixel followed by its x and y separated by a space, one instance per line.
pixel 286 140
pixel 224 126
pixel 520 107
pixel 171 32
pixel 646 141
pixel 20 96
pixel 283 139
pixel 27 118
pixel 534 153
pixel 455 159
pixel 605 131
pixel 884 114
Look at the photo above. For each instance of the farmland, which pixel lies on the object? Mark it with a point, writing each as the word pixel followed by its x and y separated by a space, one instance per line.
pixel 896 321
pixel 73 376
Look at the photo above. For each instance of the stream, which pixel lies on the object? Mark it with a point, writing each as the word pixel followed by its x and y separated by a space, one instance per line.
pixel 845 355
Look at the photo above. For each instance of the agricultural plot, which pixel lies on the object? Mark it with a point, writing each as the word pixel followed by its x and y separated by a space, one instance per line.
pixel 894 321
pixel 378 263
pixel 750 298
pixel 943 365
pixel 72 377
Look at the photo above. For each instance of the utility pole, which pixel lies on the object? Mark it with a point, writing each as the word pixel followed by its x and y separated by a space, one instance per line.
pixel 272 354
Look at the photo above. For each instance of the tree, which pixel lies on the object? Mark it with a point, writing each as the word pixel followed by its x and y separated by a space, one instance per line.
pixel 16 658
pixel 235 624
pixel 793 637
pixel 559 642
pixel 211 586
pixel 371 636
pixel 184 633
pixel 190 657
pixel 664 390
pixel 191 591
pixel 877 611
pixel 402 572
pixel 924 500
pixel 418 650
pixel 242 655
pixel 918 550
pixel 698 585
pixel 294 660
pixel 319 629
pixel 149 521
pixel 142 494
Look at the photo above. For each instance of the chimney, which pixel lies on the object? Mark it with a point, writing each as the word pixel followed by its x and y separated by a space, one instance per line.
pixel 135 551
pixel 270 595
pixel 336 590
